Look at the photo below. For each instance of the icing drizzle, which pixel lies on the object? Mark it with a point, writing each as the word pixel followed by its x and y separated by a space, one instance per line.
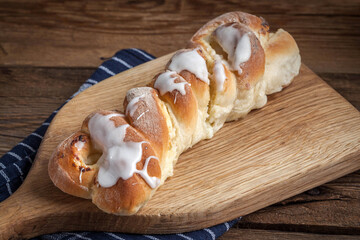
pixel 191 61
pixel 152 181
pixel 80 176
pixel 219 75
pixel 131 108
pixel 235 44
pixel 166 83
pixel 79 145
pixel 119 158
pixel 142 114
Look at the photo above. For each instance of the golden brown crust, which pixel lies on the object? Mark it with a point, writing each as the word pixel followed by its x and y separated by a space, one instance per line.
pixel 199 87
pixel 149 117
pixel 282 61
pixel 68 169
pixel 280 44
pixel 201 90
pixel 258 25
pixel 184 107
pixel 127 196
pixel 253 69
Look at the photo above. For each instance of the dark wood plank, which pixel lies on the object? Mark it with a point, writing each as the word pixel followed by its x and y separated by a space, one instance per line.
pixel 348 85
pixel 29 95
pixel 251 234
pixel 76 33
pixel 331 208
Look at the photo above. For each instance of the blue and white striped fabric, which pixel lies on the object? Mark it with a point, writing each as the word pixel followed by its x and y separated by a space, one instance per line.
pixel 15 164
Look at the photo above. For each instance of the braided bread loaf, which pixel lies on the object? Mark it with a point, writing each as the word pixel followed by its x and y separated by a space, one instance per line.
pixel 119 160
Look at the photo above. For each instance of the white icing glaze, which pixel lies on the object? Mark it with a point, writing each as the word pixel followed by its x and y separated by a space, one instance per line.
pixel 219 75
pixel 119 158
pixel 142 114
pixel 166 83
pixel 84 188
pixel 191 61
pixel 131 107
pixel 152 181
pixel 79 145
pixel 235 44
pixel 175 97
pixel 80 179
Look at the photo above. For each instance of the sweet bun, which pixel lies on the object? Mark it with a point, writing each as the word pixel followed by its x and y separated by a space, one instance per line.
pixel 230 66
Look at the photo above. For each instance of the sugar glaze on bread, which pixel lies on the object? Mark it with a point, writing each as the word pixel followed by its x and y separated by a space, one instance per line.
pixel 230 66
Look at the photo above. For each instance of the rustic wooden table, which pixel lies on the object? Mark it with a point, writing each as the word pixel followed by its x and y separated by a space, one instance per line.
pixel 48 49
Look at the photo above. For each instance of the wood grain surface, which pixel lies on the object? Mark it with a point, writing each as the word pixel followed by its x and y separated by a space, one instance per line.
pixel 47 49
pixel 305 136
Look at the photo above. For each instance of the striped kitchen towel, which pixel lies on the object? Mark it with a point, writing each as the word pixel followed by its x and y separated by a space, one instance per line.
pixel 15 164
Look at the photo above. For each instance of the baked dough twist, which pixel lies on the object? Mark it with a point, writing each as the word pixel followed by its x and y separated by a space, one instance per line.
pixel 119 160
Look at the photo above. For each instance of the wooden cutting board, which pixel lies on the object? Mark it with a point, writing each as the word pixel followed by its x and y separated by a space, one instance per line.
pixel 305 136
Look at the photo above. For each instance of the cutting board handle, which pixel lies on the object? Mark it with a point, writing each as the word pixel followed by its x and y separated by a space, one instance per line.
pixel 21 216
pixel 11 218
